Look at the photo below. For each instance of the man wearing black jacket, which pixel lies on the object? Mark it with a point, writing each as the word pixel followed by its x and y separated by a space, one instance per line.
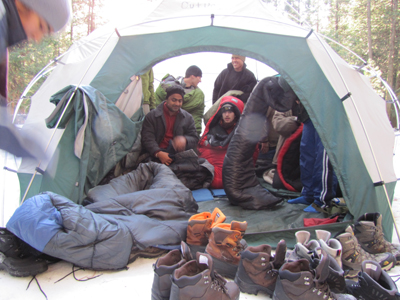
pixel 235 77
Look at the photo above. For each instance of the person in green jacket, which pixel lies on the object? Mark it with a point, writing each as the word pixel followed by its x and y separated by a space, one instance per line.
pixel 193 102
pixel 149 101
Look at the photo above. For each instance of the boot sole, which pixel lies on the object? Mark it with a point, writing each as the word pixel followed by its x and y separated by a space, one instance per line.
pixel 146 254
pixel 251 288
pixel 20 272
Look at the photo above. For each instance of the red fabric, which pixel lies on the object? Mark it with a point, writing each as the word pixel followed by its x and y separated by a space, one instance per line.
pixel 315 221
pixel 216 155
pixel 282 152
pixel 169 131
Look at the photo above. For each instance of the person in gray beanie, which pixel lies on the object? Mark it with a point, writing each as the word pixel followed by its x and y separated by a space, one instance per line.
pixel 24 20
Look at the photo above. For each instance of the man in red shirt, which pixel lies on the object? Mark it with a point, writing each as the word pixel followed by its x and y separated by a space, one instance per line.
pixel 169 129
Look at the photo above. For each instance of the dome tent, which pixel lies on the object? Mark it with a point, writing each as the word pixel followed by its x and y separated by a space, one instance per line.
pixel 348 115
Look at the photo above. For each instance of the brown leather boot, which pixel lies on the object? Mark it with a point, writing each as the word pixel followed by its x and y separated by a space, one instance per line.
pixel 225 246
pixel 197 280
pixel 163 269
pixel 199 229
pixel 258 269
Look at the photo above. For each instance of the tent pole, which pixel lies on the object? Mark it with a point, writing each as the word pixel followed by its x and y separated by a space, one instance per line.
pixel 391 212
pixel 368 139
pixel 60 118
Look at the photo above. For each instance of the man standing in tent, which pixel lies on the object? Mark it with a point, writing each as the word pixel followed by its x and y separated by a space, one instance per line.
pixel 21 20
pixel 193 102
pixel 316 172
pixel 168 129
pixel 235 77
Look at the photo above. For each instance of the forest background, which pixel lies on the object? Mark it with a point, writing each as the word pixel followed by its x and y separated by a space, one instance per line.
pixel 369 28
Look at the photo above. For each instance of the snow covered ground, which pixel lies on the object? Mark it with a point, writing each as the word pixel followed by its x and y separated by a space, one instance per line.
pixel 135 282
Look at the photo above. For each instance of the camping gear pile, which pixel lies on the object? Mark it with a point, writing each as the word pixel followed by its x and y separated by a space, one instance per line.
pixel 350 117
pixel 312 270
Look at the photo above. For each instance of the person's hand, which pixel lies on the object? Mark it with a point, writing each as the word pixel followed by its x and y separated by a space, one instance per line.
pixel 179 143
pixel 164 158
pixel 264 147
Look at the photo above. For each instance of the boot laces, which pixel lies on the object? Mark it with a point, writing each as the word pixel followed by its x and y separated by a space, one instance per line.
pixel 238 248
pixel 323 290
pixel 218 283
pixel 379 237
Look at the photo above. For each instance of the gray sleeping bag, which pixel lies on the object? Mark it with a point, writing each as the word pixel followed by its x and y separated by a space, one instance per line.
pixel 147 207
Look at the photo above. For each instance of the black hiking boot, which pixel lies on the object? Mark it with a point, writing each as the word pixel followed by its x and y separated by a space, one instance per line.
pixel 15 259
pixel 335 279
pixel 298 281
pixel 373 283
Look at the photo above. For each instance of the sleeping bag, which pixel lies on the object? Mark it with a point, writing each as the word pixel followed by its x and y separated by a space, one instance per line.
pixel 215 140
pixel 148 207
pixel 240 182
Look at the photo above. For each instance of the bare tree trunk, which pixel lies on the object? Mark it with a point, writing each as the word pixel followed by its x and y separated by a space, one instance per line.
pixel 370 56
pixel 337 18
pixel 390 74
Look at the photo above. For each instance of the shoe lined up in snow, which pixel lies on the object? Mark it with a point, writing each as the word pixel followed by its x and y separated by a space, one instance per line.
pixel 15 257
pixel 303 247
pixel 330 245
pixel 225 245
pixel 199 229
pixel 297 280
pixel 197 279
pixel 258 268
pixel 353 255
pixel 373 283
pixel 369 233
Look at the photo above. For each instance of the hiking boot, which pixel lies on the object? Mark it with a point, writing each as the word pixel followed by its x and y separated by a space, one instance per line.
pixel 373 284
pixel 332 246
pixel 199 229
pixel 225 247
pixel 297 281
pixel 303 247
pixel 197 279
pixel 149 252
pixel 258 269
pixel 15 259
pixel 369 233
pixel 335 279
pixel 353 255
pixel 163 269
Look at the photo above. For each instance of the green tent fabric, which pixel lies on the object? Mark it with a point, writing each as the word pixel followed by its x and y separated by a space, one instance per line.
pixel 108 136
pixel 347 113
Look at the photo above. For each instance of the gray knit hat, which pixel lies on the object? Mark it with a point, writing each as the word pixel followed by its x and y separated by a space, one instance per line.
pixel 55 12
